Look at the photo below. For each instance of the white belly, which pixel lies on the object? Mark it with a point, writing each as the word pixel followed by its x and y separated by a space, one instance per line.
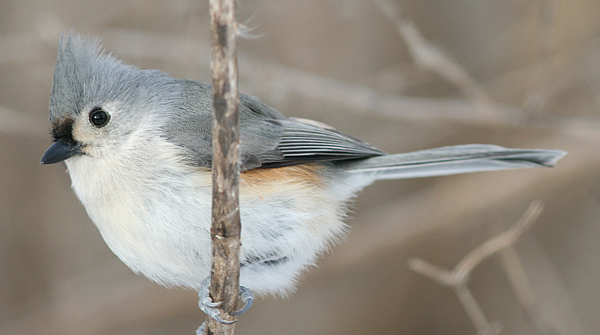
pixel 160 227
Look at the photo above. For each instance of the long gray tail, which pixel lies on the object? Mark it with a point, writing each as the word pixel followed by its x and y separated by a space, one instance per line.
pixel 451 160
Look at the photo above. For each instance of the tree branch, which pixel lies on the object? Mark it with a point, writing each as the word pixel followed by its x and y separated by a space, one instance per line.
pixel 459 276
pixel 226 226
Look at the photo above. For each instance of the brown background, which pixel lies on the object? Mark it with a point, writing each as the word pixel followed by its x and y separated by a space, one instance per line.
pixel 535 67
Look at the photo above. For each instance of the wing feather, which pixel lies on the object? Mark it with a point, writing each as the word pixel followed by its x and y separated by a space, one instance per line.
pixel 267 138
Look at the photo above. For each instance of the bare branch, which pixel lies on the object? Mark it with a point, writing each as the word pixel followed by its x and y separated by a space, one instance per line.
pixel 430 57
pixel 459 276
pixel 523 292
pixel 481 323
pixel 226 226
pixel 492 246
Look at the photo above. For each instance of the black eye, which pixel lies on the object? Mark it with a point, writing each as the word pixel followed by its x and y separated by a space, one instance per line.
pixel 99 117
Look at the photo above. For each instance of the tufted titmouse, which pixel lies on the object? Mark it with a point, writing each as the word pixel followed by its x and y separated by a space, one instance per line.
pixel 137 145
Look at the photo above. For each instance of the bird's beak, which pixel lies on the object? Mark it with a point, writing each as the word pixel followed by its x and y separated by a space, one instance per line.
pixel 61 150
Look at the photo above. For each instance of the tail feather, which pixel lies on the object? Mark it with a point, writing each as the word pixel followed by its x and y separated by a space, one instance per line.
pixel 451 160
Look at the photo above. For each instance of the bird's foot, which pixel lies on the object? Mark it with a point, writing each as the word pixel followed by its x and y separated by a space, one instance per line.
pixel 210 308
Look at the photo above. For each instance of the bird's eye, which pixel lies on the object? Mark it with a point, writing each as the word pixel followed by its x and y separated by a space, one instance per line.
pixel 99 117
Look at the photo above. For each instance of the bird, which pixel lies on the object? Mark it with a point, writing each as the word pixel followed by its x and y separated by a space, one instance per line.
pixel 137 145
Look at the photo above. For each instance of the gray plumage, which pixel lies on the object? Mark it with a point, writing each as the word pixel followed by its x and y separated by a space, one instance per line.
pixel 89 77
pixel 137 145
pixel 452 160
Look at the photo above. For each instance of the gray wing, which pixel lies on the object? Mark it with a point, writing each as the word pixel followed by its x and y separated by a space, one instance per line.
pixel 267 138
pixel 302 142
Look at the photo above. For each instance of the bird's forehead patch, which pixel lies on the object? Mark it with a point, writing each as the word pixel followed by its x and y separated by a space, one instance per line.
pixel 63 128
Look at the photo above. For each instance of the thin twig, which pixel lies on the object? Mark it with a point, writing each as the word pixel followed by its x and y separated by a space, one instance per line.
pixel 430 57
pixel 481 323
pixel 499 242
pixel 523 292
pixel 226 226
pixel 459 276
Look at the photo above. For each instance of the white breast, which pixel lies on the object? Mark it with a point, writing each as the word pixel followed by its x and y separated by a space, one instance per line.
pixel 154 214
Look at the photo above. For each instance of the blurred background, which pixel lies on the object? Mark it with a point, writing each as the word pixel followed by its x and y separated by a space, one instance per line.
pixel 402 75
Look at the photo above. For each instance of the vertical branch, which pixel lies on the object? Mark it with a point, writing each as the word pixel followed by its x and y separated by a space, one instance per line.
pixel 226 226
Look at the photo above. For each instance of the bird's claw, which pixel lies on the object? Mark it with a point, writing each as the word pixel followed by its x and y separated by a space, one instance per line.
pixel 207 305
pixel 210 308
pixel 247 297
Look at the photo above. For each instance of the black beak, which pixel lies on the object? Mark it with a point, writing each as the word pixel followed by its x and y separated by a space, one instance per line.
pixel 61 150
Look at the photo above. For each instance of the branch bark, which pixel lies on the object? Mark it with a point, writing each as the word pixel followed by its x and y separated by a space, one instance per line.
pixel 226 226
